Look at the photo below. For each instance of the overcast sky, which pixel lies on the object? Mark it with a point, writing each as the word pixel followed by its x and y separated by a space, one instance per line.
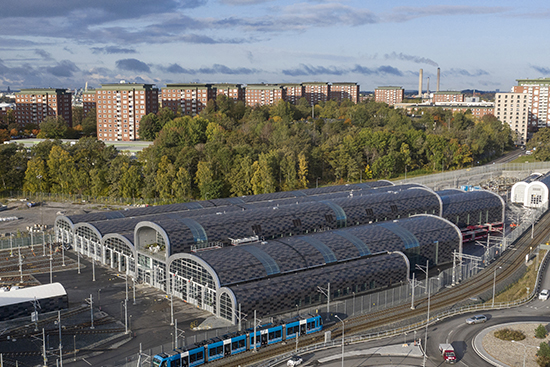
pixel 481 45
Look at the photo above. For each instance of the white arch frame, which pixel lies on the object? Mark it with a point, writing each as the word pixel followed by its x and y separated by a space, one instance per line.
pixel 527 197
pixel 123 239
pixel 77 226
pixel 449 222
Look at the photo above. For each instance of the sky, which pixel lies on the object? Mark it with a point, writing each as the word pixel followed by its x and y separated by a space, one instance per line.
pixel 482 45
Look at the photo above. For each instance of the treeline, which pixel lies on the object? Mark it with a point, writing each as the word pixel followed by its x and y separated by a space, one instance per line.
pixel 233 150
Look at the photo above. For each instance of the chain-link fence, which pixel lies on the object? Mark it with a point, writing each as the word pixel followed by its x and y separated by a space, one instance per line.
pixel 27 239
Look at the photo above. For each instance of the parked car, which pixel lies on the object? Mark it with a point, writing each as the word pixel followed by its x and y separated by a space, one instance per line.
pixel 543 294
pixel 477 319
pixel 294 361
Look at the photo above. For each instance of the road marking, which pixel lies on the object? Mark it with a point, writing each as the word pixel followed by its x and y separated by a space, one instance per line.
pixel 86 361
pixel 464 363
pixel 448 336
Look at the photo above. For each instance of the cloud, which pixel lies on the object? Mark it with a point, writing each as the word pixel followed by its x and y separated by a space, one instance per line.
pixel 15 42
pixel 314 70
pixel 63 69
pixel 541 69
pixel 415 59
pixel 132 65
pixel 44 54
pixel 214 69
pixel 244 2
pixel 405 13
pixel 463 72
pixel 113 50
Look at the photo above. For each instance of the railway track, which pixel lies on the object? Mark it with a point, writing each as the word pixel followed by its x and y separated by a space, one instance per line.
pixel 511 261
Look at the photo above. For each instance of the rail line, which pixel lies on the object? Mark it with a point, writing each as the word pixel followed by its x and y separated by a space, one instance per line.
pixel 511 261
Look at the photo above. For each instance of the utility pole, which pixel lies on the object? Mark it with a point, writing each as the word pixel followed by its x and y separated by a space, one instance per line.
pixel 326 292
pixel 60 341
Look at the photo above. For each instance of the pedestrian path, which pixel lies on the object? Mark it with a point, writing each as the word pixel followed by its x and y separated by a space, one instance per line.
pixel 406 350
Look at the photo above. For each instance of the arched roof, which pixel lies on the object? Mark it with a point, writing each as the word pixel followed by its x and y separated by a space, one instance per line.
pixel 238 264
pixel 122 237
pixel 199 260
pixel 472 202
pixel 77 226
pixel 285 289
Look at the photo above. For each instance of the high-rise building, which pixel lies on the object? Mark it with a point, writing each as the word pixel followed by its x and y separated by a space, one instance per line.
pixel 293 92
pixel 34 105
pixel 537 100
pixel 88 101
pixel 316 92
pixel 342 91
pixel 514 109
pixel 264 94
pixel 389 95
pixel 120 107
pixel 233 91
pixel 191 98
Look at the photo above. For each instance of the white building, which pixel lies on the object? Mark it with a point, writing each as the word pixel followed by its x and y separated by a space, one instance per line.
pixel 514 109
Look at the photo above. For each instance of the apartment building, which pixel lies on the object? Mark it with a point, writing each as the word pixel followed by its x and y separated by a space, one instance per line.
pixel 264 94
pixel 537 100
pixel 447 96
pixel 120 107
pixel 34 105
pixel 514 109
pixel 191 98
pixel 293 92
pixel 316 92
pixel 88 101
pixel 389 95
pixel 233 91
pixel 342 91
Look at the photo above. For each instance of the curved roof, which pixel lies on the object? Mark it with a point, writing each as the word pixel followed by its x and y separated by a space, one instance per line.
pixel 471 204
pixel 237 201
pixel 383 270
pixel 29 294
pixel 238 264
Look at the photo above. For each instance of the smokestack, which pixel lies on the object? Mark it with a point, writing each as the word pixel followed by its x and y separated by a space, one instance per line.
pixel 86 87
pixel 438 78
pixel 420 76
pixel 428 87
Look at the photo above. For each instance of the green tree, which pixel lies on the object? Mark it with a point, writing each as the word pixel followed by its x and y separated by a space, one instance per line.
pixel 182 186
pixel 36 176
pixel 89 123
pixel 166 174
pixel 53 128
pixel 61 170
pixel 240 178
pixel 209 187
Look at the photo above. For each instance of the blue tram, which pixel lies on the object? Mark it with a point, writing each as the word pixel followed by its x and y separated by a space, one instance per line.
pixel 230 344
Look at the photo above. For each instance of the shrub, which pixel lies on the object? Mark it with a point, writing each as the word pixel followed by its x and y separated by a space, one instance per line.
pixel 543 355
pixel 540 332
pixel 509 334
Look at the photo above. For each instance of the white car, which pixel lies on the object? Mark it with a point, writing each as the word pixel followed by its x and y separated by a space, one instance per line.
pixel 543 294
pixel 294 361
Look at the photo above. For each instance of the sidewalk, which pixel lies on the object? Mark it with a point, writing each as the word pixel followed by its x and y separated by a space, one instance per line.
pixel 406 350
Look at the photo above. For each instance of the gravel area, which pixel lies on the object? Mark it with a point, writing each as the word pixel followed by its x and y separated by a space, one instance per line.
pixel 512 354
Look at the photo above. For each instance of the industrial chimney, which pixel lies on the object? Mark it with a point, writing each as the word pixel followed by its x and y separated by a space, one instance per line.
pixel 420 76
pixel 438 78
pixel 428 87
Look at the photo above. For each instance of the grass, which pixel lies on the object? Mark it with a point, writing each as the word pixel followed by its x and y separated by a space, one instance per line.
pixel 525 158
pixel 518 290
pixel 509 334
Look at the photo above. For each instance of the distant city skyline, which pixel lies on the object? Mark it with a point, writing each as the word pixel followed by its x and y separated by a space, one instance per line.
pixel 478 45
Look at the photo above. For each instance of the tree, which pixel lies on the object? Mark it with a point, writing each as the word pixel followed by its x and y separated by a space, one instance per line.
pixel 240 178
pixel 182 185
pixel 36 176
pixel 89 123
pixel 78 115
pixel 166 174
pixel 53 128
pixel 149 127
pixel 61 170
pixel 209 187
pixel 302 171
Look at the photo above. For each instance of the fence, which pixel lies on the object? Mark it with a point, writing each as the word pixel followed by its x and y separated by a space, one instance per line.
pixel 27 239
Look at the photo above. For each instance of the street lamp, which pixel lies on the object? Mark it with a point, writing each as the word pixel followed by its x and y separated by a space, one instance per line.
pixel 524 350
pixel 343 329
pixel 425 271
pixel 494 284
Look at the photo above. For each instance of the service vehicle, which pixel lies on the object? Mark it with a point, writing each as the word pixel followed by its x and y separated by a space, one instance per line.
pixel 543 294
pixel 447 352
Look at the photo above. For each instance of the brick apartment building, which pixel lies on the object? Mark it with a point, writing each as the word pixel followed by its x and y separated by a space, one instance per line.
pixel 389 95
pixel 191 98
pixel 264 94
pixel 234 91
pixel 120 107
pixel 316 92
pixel 293 92
pixel 342 91
pixel 447 96
pixel 34 105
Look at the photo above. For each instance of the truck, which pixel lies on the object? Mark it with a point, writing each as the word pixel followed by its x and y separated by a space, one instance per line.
pixel 447 352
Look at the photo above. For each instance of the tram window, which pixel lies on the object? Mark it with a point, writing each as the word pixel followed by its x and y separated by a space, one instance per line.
pixel 278 333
